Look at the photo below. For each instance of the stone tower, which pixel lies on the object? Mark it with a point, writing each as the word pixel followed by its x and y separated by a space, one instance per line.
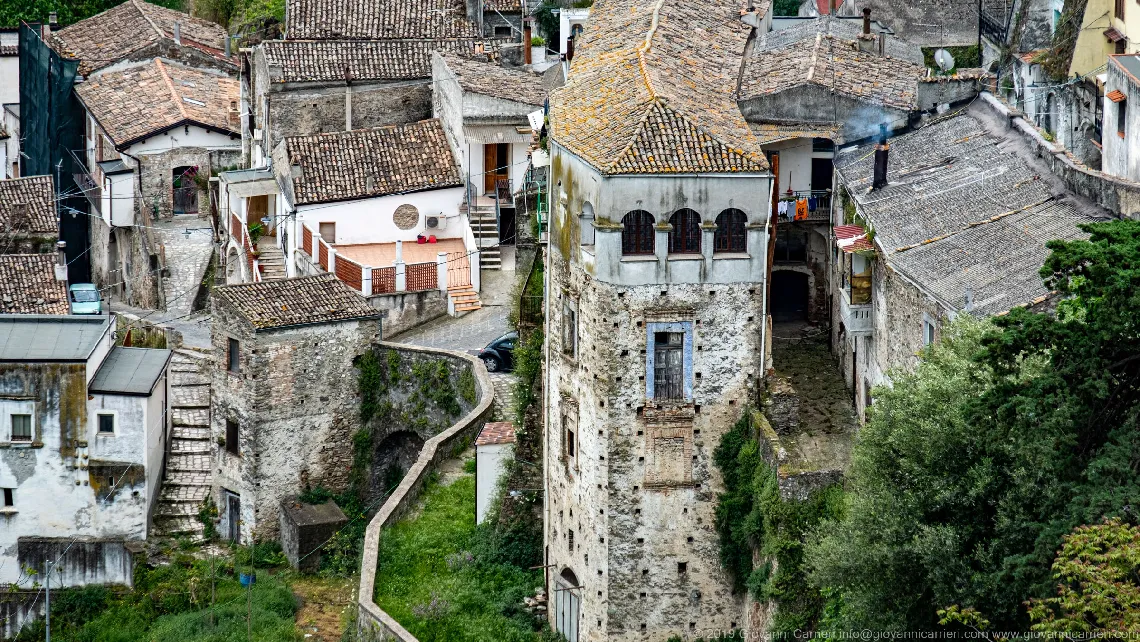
pixel 655 321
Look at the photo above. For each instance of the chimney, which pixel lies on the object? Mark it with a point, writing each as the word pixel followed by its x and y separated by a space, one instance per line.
pixel 475 12
pixel 178 33
pixel 881 151
pixel 833 7
pixel 866 21
pixel 569 49
pixel 227 46
pixel 526 41
pixel 235 114
pixel 61 261
pixel 882 45
pixel 866 40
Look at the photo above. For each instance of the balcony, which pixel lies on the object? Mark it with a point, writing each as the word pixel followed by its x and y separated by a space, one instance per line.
pixel 856 317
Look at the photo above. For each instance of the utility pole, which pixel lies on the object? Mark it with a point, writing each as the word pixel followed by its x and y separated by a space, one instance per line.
pixel 47 601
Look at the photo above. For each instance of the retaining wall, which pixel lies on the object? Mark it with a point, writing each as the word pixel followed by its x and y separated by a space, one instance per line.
pixel 371 619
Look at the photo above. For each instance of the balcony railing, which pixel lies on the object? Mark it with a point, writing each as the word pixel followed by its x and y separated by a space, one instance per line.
pixel 822 198
pixel 857 317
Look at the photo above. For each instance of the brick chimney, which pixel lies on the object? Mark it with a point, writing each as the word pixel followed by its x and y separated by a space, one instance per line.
pixel 526 41
pixel 866 39
pixel 881 151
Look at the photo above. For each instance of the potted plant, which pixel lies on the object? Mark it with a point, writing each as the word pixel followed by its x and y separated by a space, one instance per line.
pixel 537 50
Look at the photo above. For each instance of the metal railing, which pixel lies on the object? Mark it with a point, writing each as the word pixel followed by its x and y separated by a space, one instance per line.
pixel 822 197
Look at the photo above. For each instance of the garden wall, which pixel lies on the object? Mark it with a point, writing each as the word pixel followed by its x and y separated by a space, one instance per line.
pixel 371 619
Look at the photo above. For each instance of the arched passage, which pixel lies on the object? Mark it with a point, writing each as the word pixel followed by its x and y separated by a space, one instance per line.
pixel 392 459
pixel 567 605
pixel 790 293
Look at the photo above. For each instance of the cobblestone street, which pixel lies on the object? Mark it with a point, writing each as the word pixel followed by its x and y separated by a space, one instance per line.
pixel 475 329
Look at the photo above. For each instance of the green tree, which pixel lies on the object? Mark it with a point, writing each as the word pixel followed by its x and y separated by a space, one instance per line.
pixel 974 467
pixel 1098 570
pixel 69 11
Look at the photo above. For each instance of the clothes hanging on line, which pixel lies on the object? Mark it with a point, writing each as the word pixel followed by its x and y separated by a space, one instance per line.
pixel 801 209
pixel 812 203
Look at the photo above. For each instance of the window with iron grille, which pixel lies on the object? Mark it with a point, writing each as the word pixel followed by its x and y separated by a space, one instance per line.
pixel 637 233
pixel 730 232
pixel 668 365
pixel 686 235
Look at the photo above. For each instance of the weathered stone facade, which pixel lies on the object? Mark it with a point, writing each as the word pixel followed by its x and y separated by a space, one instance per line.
pixel 121 263
pixel 294 400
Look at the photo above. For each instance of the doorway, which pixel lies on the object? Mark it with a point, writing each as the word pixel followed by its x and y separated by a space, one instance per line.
pixel 822 170
pixel 496 162
pixel 567 605
pixel 789 296
pixel 233 516
pixel 185 190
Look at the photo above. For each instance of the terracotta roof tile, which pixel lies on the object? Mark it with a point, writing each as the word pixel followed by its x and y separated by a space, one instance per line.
pixel 1115 95
pixel 152 97
pixel 300 301
pixel 372 162
pixel 326 60
pixel 27 205
pixel 28 285
pixel 651 90
pixel 490 79
pixel 837 65
pixel 497 432
pixel 379 19
pixel 108 37
pixel 773 132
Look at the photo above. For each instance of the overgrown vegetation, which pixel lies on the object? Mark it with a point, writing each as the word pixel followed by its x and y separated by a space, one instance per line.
pixel 965 57
pixel 187 601
pixel 751 515
pixel 973 469
pixel 445 579
pixel 69 11
pixel 786 7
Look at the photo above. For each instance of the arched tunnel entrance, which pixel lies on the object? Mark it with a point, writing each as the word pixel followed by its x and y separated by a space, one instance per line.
pixel 393 458
pixel 789 296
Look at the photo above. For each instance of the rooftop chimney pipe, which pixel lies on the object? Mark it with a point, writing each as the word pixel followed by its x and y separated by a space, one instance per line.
pixel 228 46
pixel 177 33
pixel 881 151
pixel 569 49
pixel 866 21
pixel 53 19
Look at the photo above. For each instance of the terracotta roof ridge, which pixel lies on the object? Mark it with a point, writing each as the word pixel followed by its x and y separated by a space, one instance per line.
pixel 645 47
pixel 653 100
pixel 160 32
pixel 170 85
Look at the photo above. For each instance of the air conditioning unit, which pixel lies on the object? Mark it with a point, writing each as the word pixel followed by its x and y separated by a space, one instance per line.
pixel 436 222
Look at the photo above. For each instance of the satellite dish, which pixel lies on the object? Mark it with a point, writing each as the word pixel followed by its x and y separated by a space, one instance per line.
pixel 944 60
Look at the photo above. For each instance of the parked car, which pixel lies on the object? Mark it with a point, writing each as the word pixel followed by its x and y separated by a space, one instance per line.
pixel 499 354
pixel 84 298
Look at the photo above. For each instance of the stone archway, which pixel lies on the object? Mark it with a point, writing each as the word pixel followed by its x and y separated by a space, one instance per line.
pixel 392 459
pixel 791 295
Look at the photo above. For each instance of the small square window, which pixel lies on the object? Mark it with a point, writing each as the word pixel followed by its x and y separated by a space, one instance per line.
pixel 21 427
pixel 502 31
pixel 682 567
pixel 234 356
pixel 106 423
pixel 9 497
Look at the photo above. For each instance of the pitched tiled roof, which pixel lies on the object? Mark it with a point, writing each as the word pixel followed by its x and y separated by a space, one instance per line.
pixel 844 29
pixel 490 79
pixel 834 64
pixel 152 97
pixel 28 285
pixel 27 205
pixel 300 301
pixel 378 19
pixel 961 210
pixel 496 432
pixel 326 60
pixel 108 37
pixel 651 90
pixel 372 162
pixel 773 132
pixel 502 6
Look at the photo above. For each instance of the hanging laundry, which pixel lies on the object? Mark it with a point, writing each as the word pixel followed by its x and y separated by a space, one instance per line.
pixel 801 209
pixel 782 209
pixel 812 203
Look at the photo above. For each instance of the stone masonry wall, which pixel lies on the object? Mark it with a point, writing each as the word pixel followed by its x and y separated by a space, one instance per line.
pixel 295 401
pixel 639 494
pixel 299 111
pixel 158 175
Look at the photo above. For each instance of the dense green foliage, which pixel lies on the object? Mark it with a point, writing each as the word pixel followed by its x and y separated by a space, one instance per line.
pixel 965 57
pixel 69 11
pixel 187 601
pixel 528 366
pixel 444 579
pixel 751 514
pixel 973 468
pixel 786 7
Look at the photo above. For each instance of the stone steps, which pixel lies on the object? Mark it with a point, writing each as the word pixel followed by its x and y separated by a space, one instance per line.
pixel 189 447
pixel 179 498
pixel 188 478
pixel 188 463
pixel 195 417
pixel 182 526
pixel 192 433
pixel 196 396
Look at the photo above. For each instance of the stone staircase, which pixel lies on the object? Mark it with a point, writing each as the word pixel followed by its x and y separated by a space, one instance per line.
pixel 190 454
pixel 485 227
pixel 271 260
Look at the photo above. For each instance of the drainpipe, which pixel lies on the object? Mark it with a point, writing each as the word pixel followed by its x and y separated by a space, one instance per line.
pixel 764 289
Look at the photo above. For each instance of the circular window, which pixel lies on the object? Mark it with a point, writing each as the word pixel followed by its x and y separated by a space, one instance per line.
pixel 406 217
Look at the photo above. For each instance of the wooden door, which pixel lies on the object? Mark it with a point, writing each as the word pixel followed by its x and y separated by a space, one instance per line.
pixel 496 158
pixel 233 517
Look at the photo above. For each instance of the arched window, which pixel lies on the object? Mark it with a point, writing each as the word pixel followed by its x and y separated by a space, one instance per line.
pixel 637 233
pixel 730 235
pixel 686 235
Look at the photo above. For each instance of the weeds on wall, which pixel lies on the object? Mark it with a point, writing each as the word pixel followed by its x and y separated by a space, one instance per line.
pixel 528 365
pixel 751 516
pixel 208 516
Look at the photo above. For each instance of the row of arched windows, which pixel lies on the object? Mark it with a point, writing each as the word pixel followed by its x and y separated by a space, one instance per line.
pixel 637 235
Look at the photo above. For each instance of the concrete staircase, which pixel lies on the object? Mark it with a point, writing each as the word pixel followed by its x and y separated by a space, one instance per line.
pixel 271 260
pixel 485 227
pixel 189 458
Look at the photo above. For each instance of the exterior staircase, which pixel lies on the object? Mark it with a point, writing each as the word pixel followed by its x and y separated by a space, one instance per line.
pixel 485 227
pixel 464 298
pixel 271 260
pixel 188 478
